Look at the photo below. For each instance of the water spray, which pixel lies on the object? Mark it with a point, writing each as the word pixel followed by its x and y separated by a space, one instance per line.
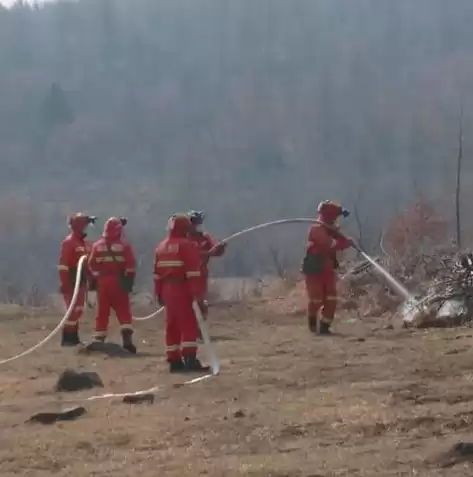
pixel 398 287
pixel 215 365
pixel 395 284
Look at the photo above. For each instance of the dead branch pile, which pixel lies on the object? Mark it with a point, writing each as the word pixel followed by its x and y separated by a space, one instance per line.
pixel 441 280
pixel 448 300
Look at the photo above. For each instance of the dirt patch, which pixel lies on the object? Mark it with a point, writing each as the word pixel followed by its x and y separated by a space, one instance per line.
pixel 286 403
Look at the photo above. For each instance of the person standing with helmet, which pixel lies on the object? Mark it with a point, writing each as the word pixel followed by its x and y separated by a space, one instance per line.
pixel 112 264
pixel 208 247
pixel 178 283
pixel 320 264
pixel 73 247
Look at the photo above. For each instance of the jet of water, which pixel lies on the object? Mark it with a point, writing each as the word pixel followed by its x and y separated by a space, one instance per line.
pixel 411 305
pixel 398 287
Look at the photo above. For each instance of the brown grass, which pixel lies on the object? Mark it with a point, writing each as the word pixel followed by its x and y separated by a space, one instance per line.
pixel 368 402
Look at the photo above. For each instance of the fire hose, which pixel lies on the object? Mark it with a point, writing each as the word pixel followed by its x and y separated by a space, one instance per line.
pixel 242 232
pixel 53 333
pixel 215 365
pixel 213 357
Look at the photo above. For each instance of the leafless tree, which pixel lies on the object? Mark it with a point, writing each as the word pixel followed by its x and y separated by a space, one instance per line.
pixel 458 185
pixel 278 262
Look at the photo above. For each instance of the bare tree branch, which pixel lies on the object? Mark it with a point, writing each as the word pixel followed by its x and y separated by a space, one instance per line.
pixel 356 214
pixel 358 224
pixel 382 236
pixel 458 186
pixel 277 262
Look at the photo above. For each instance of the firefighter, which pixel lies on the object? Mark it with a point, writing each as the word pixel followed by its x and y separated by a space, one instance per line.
pixel 209 247
pixel 73 247
pixel 320 264
pixel 112 264
pixel 178 283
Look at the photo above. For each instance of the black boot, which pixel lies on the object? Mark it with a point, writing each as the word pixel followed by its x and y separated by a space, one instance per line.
pixel 70 338
pixel 325 329
pixel 176 366
pixel 312 321
pixel 192 364
pixel 128 342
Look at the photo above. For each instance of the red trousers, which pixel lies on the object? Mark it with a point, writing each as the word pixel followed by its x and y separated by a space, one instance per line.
pixel 181 323
pixel 322 296
pixel 72 323
pixel 110 297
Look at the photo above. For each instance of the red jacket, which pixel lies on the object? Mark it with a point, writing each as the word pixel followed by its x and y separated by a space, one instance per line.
pixel 73 247
pixel 206 243
pixel 324 242
pixel 110 258
pixel 177 261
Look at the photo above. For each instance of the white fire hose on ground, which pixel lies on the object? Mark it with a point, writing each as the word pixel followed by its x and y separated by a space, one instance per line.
pixel 56 330
pixel 215 365
pixel 212 355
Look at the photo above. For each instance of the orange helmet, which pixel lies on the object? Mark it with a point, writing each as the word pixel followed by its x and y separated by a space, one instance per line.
pixel 179 225
pixel 79 221
pixel 329 211
pixel 113 228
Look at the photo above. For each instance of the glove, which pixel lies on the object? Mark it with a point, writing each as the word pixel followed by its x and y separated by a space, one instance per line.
pixel 219 249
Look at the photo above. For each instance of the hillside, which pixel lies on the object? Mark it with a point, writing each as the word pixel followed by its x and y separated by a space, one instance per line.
pixel 367 402
pixel 251 110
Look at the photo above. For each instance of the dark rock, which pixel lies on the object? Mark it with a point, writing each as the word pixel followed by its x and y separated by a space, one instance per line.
pixel 51 417
pixel 139 398
pixel 358 340
pixel 109 349
pixel 72 381
pixel 452 351
pixel 238 414
pixel 459 453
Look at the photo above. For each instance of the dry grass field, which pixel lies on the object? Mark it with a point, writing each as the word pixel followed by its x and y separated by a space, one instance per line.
pixel 367 402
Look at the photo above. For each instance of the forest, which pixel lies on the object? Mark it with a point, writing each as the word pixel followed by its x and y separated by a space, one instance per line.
pixel 252 110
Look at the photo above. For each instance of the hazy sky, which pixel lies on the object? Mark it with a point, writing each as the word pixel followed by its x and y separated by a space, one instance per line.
pixel 11 2
pixel 7 2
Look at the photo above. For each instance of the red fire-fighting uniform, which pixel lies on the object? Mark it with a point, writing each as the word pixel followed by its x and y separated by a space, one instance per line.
pixel 73 247
pixel 178 283
pixel 208 247
pixel 112 264
pixel 320 266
